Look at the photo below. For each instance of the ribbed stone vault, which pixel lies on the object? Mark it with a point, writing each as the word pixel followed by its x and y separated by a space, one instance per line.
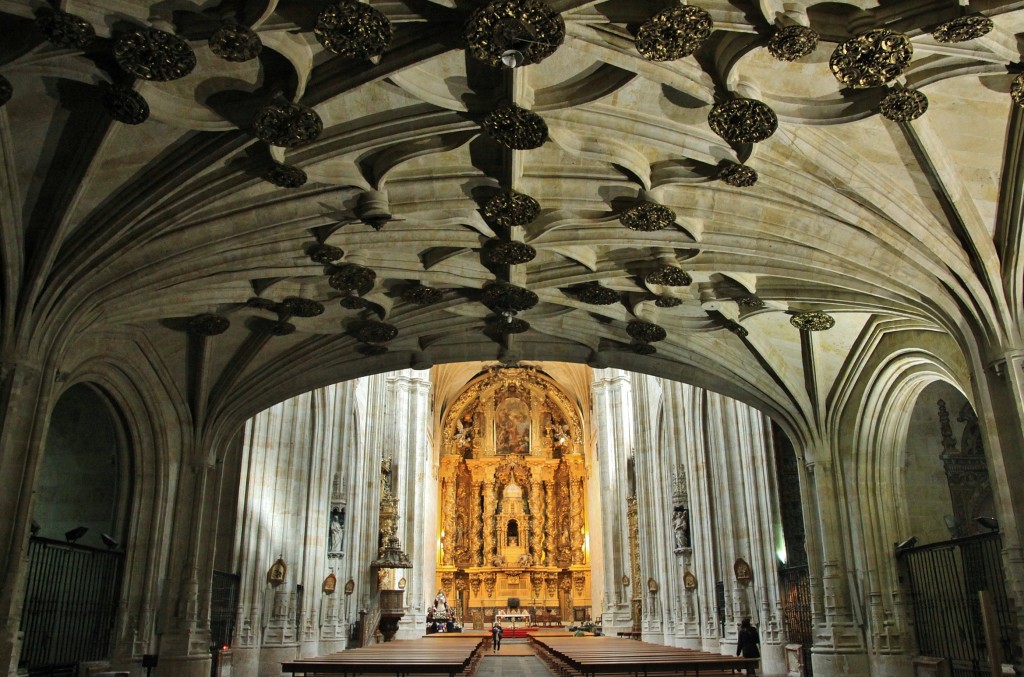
pixel 136 228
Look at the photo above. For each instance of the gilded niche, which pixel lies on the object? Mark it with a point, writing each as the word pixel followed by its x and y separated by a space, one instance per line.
pixel 512 411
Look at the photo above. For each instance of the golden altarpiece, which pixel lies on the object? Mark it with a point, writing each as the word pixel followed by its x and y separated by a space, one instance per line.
pixel 513 523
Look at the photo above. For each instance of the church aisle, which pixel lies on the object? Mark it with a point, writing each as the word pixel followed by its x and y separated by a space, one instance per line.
pixel 498 665
pixel 516 659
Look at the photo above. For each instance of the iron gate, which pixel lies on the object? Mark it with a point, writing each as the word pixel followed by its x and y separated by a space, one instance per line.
pixel 70 605
pixel 720 607
pixel 223 608
pixel 944 580
pixel 796 611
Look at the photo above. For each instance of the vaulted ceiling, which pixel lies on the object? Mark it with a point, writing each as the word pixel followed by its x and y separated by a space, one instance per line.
pixel 303 216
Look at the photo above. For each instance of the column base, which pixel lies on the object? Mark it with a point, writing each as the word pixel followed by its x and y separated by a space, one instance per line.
pixel 773 659
pixel 840 664
pixel 183 666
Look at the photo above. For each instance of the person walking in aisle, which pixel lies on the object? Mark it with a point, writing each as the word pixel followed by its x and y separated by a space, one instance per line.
pixel 496 633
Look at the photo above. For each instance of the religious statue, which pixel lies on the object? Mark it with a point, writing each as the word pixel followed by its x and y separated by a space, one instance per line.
pixel 558 432
pixel 440 609
pixel 681 528
pixel 463 437
pixel 336 537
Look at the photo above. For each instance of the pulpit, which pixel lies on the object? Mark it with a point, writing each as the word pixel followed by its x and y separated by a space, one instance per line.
pixel 391 611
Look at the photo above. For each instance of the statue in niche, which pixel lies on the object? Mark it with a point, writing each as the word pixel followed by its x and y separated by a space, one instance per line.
pixel 513 534
pixel 558 433
pixel 681 528
pixel 512 427
pixel 336 535
pixel 970 442
pixel 464 430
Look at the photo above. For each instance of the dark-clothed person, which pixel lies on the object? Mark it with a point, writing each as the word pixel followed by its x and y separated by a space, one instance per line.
pixel 496 633
pixel 748 642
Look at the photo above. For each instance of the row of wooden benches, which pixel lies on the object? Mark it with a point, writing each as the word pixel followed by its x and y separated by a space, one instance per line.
pixel 566 656
pixel 574 656
pixel 456 655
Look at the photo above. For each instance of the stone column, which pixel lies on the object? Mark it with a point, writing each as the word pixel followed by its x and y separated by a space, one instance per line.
pixel 612 405
pixel 680 426
pixel 654 511
pixel 185 644
pixel 839 642
pixel 338 441
pixel 999 396
pixel 418 497
pixel 25 395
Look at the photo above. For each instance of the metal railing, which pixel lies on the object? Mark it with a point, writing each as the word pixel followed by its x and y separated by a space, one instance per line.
pixel 70 604
pixel 796 611
pixel 944 580
pixel 223 608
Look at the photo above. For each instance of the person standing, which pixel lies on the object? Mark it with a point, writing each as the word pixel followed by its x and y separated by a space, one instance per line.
pixel 748 642
pixel 496 633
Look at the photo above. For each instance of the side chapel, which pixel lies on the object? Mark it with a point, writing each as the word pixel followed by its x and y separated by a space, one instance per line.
pixel 513 527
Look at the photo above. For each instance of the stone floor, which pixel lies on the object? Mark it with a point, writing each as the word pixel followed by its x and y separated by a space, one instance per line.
pixel 496 665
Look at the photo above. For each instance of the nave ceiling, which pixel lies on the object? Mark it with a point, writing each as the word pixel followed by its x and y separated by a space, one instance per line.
pixel 146 230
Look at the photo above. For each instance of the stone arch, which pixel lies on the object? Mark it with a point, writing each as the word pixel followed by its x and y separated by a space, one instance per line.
pixel 873 461
pixel 154 418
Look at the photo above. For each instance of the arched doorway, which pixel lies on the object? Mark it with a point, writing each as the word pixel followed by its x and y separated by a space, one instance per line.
pixel 75 552
pixel 951 564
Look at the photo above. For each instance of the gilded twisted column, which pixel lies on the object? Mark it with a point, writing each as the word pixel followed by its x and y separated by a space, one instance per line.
pixel 549 511
pixel 536 515
pixel 476 557
pixel 490 503
pixel 633 525
pixel 448 506
pixel 577 500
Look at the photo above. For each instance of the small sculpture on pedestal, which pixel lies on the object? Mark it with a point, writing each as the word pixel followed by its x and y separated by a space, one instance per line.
pixel 681 529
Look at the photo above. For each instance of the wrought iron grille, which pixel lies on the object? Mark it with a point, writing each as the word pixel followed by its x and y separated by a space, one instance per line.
pixel 720 607
pixel 944 580
pixel 796 611
pixel 223 603
pixel 70 604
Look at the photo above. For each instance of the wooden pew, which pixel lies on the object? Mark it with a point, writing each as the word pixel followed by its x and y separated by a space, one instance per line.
pixel 404 657
pixel 607 656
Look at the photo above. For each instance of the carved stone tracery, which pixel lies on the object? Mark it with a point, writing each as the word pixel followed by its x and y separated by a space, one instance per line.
pixel 673 33
pixel 528 28
pixel 871 59
pixel 153 54
pixel 970 491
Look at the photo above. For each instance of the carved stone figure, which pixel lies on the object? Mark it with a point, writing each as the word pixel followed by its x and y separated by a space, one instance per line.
pixel 336 537
pixel 681 528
